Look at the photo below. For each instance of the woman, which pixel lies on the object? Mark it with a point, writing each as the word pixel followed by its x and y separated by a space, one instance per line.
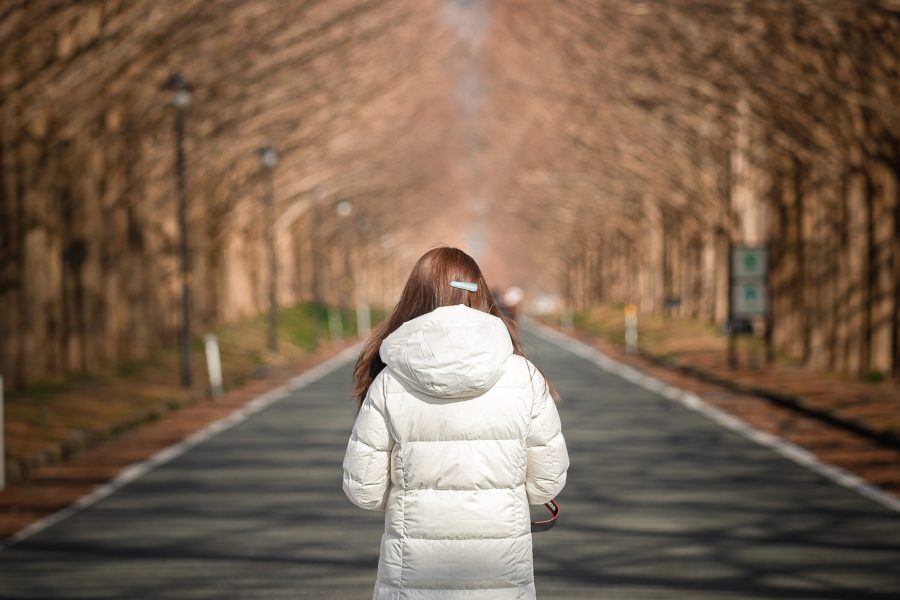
pixel 456 434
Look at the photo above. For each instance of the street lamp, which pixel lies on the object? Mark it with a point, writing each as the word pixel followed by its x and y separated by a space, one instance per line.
pixel 335 322
pixel 387 242
pixel 343 209
pixel 268 158
pixel 362 278
pixel 315 224
pixel 180 90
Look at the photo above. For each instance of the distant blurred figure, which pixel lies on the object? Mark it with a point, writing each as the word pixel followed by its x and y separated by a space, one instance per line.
pixel 512 299
pixel 501 304
pixel 546 304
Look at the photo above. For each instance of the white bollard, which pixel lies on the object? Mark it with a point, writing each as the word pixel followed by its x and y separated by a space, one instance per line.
pixel 335 323
pixel 631 331
pixel 363 319
pixel 213 364
pixel 2 442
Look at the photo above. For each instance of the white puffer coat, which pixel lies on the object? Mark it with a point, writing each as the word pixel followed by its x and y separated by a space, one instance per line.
pixel 455 438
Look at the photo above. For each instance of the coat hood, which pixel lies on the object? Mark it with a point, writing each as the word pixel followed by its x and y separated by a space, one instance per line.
pixel 451 352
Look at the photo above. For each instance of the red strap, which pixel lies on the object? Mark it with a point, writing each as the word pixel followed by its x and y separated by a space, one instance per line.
pixel 546 525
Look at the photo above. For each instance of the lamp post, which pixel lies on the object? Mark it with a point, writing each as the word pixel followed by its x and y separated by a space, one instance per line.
pixel 268 157
pixel 360 269
pixel 362 278
pixel 387 242
pixel 343 209
pixel 315 223
pixel 181 98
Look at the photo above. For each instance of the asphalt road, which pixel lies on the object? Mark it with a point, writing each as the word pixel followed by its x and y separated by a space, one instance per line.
pixel 660 503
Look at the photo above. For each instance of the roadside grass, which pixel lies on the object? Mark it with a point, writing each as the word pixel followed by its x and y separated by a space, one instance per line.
pixel 686 340
pixel 662 337
pixel 699 348
pixel 49 421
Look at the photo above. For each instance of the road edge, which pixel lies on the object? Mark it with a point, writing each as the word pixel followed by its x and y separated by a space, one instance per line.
pixel 140 468
pixel 796 454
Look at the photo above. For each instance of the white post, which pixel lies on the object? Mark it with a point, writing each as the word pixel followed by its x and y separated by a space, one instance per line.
pixel 631 331
pixel 363 319
pixel 335 323
pixel 2 442
pixel 213 364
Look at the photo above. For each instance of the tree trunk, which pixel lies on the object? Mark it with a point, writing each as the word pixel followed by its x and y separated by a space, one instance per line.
pixel 801 306
pixel 870 279
pixel 895 258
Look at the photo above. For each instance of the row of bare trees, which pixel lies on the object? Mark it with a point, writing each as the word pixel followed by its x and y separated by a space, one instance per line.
pixel 610 151
pixel 649 135
pixel 350 93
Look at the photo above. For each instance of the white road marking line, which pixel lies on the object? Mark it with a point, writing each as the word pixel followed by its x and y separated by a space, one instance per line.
pixel 138 469
pixel 789 450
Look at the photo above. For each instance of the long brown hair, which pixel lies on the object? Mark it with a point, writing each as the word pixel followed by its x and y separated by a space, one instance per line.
pixel 427 288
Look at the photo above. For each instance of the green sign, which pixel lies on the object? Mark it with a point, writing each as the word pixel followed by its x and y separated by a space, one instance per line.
pixel 749 282
pixel 748 262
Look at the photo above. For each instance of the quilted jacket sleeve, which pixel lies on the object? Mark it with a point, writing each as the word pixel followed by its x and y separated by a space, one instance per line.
pixel 548 459
pixel 367 462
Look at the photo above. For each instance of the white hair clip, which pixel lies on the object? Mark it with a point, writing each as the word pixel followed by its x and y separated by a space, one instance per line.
pixel 465 285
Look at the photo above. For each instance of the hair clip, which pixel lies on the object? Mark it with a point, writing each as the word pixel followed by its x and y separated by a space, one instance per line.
pixel 465 285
